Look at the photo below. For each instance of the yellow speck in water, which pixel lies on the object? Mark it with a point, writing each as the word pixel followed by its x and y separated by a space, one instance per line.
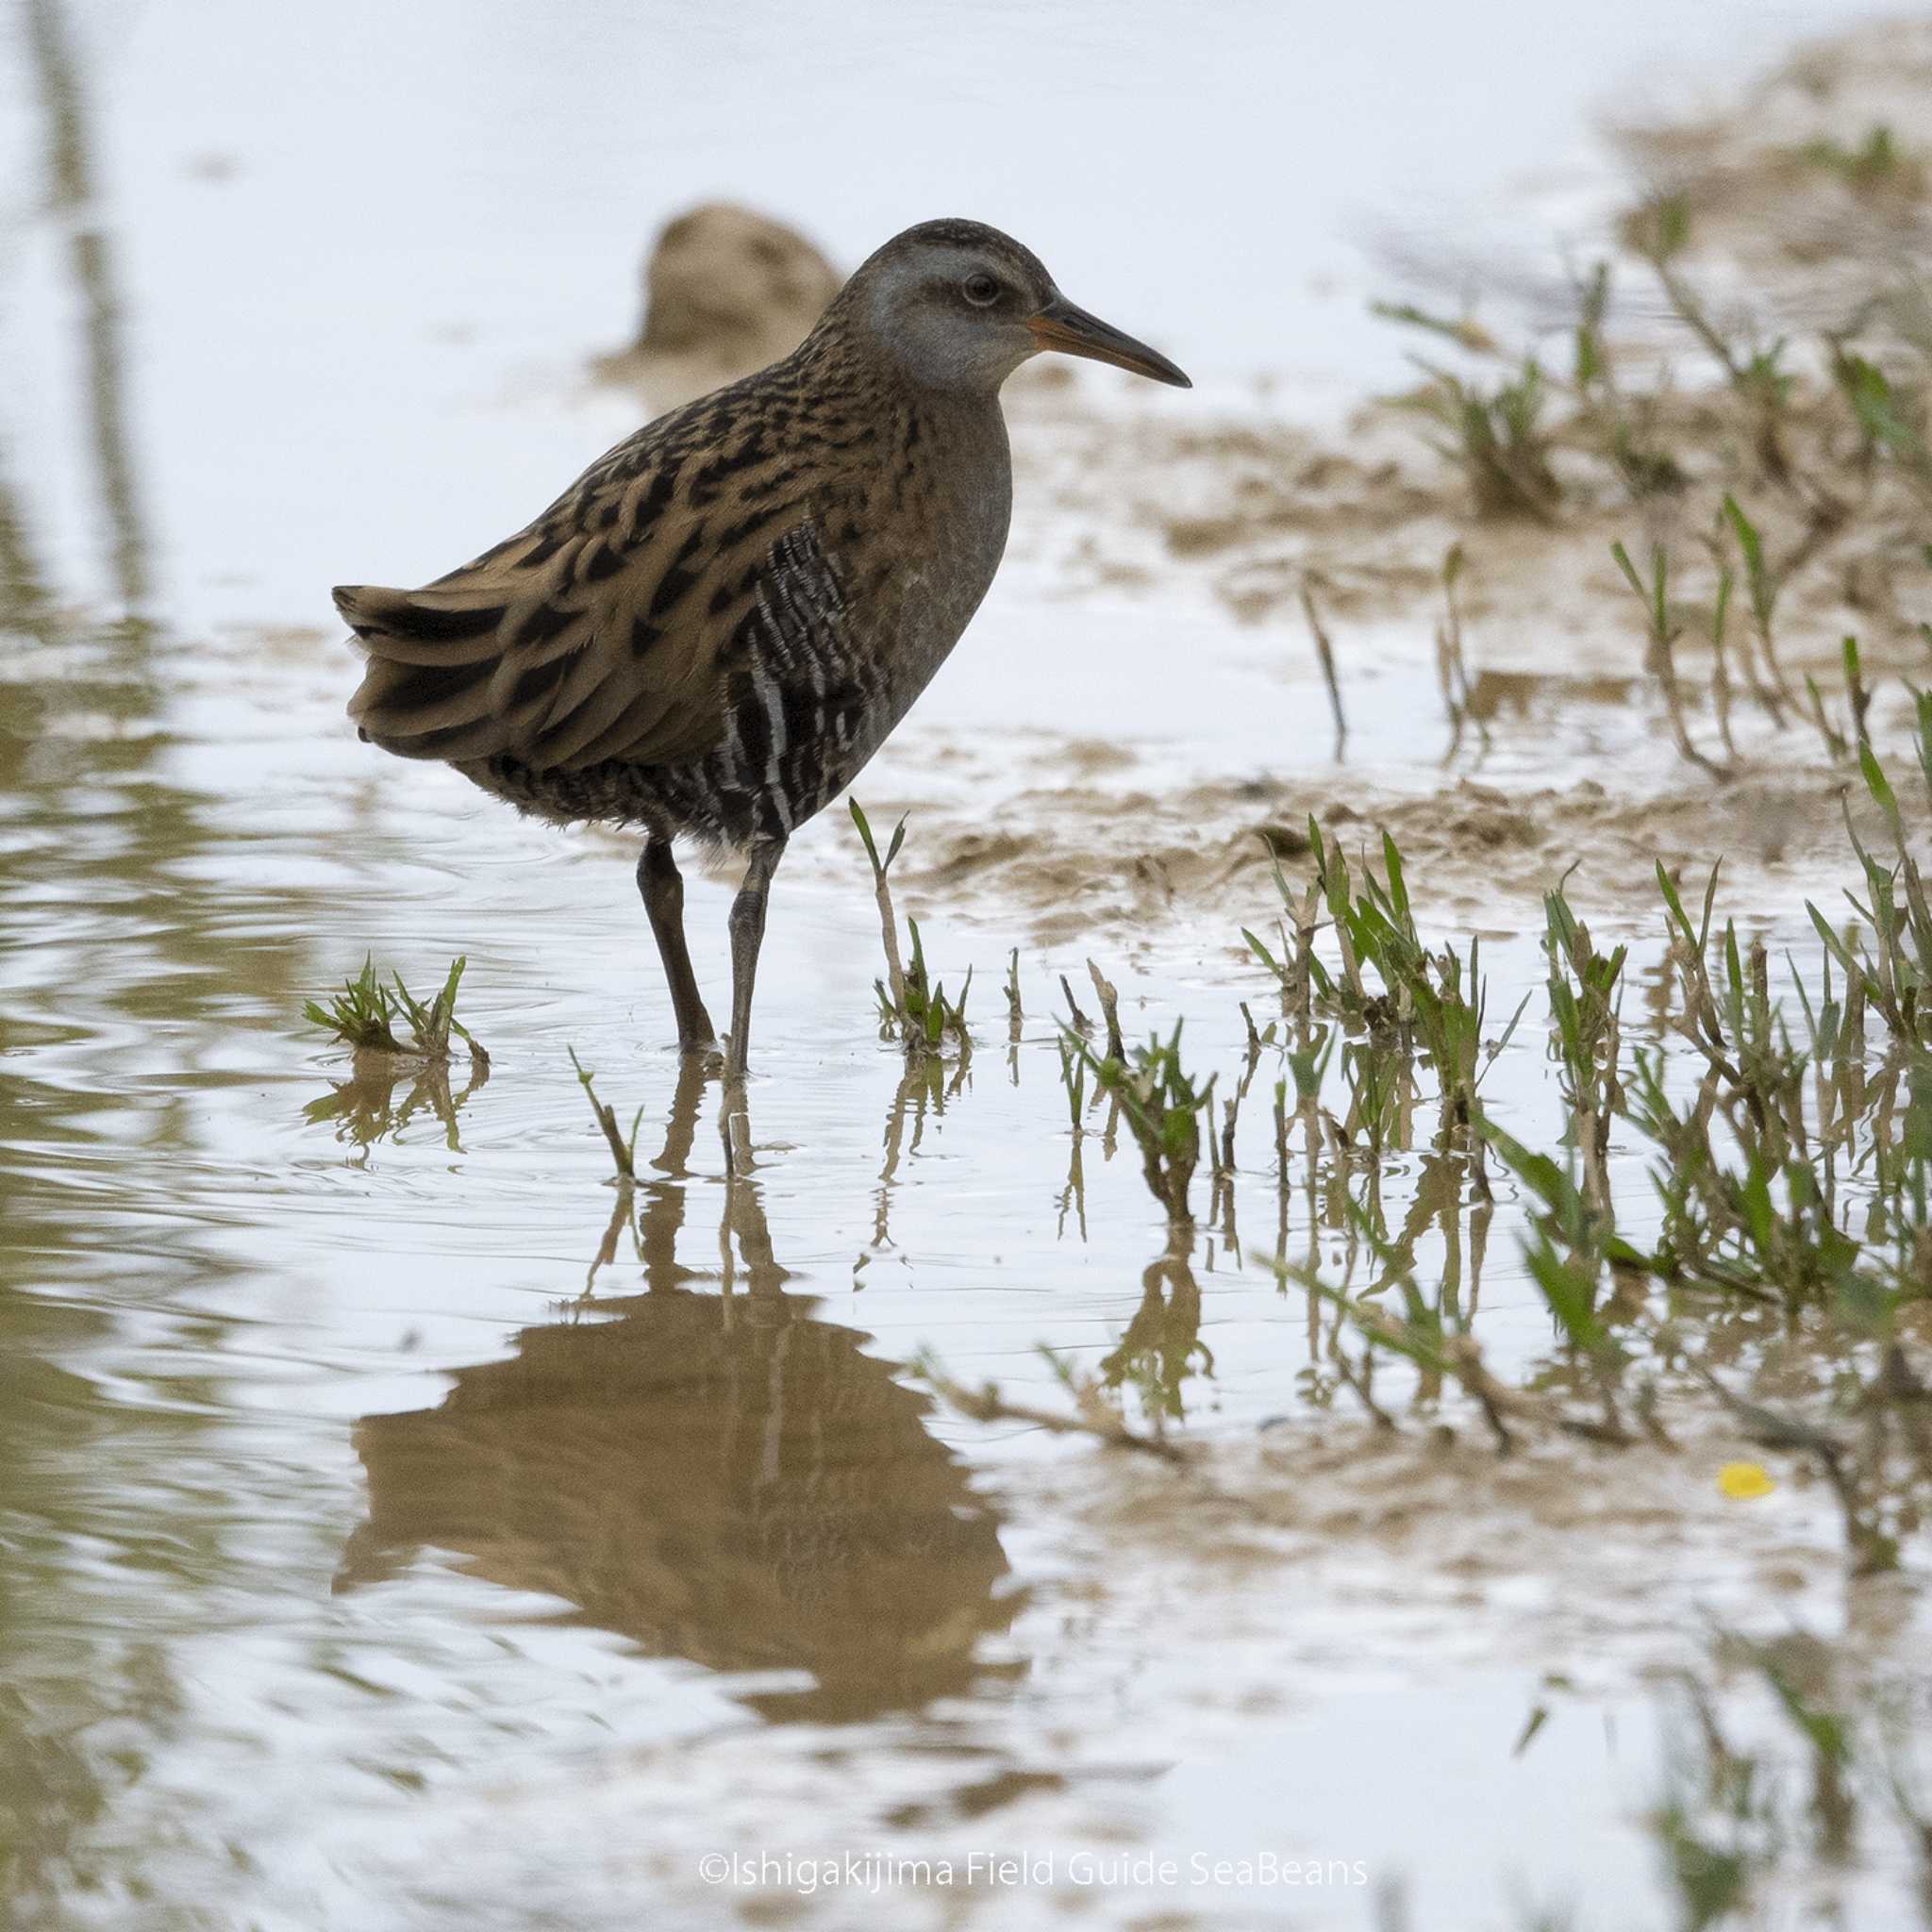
pixel 1742 1481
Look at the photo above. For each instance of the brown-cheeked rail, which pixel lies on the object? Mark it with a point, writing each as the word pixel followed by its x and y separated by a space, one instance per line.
pixel 717 624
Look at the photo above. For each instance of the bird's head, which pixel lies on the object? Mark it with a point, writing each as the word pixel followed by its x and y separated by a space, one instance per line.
pixel 960 305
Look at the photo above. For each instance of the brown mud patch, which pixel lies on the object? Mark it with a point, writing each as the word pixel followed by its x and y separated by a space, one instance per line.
pixel 1255 510
pixel 727 291
pixel 1819 169
pixel 1116 860
pixel 1618 1552
pixel 1565 759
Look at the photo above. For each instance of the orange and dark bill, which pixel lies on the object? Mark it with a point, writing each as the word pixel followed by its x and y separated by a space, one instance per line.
pixel 1073 332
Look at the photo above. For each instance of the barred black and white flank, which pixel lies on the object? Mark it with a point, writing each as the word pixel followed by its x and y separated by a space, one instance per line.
pixel 719 622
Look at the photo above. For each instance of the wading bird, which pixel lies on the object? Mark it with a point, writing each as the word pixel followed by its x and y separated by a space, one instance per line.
pixel 716 625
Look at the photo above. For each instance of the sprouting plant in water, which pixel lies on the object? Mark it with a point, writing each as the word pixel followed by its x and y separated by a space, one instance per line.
pixel 1584 1021
pixel 913 1007
pixel 624 1147
pixel 366 1014
pixel 1094 1410
pixel 893 996
pixel 1790 1159
pixel 1750 1164
pixel 1892 416
pixel 1395 1316
pixel 1162 1105
pixel 1838 745
pixel 1876 165
pixel 1452 664
pixel 1721 656
pixel 1110 1011
pixel 1510 427
pixel 1660 232
pixel 1497 438
pixel 1463 330
pixel 1763 588
pixel 1659 620
pixel 1625 430
pixel 1569 1240
pixel 1893 974
pixel 1430 998
pixel 929 1018
pixel 1296 968
pixel 1324 657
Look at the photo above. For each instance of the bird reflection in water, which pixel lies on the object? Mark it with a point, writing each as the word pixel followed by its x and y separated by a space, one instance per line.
pixel 720 1476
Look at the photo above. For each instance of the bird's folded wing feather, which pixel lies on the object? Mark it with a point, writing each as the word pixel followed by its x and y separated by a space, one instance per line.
pixel 594 634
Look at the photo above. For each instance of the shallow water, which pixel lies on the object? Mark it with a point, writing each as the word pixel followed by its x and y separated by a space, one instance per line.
pixel 397 1538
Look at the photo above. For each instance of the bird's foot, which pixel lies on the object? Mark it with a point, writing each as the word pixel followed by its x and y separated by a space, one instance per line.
pixel 734 1116
pixel 706 1053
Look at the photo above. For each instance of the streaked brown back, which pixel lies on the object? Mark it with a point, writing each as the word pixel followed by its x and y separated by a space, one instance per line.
pixel 595 632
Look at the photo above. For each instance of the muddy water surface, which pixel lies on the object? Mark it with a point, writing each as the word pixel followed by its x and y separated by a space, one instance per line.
pixel 398 1536
pixel 385 1559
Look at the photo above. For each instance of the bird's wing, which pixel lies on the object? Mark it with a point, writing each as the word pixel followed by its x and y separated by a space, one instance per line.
pixel 594 633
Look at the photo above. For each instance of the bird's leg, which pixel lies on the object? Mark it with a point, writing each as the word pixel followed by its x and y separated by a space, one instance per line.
pixel 747 931
pixel 662 888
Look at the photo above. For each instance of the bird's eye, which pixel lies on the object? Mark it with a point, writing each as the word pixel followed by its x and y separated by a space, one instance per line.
pixel 980 290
